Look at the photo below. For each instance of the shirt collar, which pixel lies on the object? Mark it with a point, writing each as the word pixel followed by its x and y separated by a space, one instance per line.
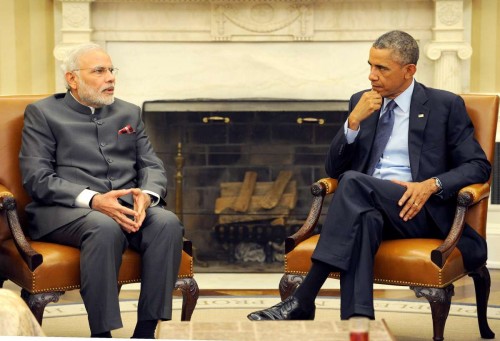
pixel 92 109
pixel 404 99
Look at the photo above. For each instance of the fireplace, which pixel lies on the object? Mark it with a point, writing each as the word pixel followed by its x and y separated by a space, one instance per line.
pixel 312 50
pixel 217 142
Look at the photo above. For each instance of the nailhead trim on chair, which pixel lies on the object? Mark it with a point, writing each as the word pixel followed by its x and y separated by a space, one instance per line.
pixel 72 287
pixel 185 276
pixel 6 194
pixel 327 187
pixel 137 280
pixel 385 281
pixel 191 273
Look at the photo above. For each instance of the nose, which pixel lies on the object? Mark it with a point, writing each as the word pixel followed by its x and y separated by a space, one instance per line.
pixel 373 76
pixel 110 77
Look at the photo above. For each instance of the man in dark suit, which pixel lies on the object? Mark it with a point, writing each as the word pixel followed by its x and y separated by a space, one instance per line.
pixel 407 190
pixel 97 185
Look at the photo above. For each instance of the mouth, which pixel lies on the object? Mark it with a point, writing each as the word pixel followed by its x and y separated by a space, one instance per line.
pixel 109 90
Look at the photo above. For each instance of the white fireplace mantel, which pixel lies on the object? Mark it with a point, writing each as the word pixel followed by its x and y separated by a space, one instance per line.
pixel 295 49
pixel 336 27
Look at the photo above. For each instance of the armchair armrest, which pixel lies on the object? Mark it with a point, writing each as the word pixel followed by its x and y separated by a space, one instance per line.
pixel 329 184
pixel 8 204
pixel 467 196
pixel 319 190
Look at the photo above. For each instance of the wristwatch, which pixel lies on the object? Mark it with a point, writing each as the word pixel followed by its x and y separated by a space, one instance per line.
pixel 439 185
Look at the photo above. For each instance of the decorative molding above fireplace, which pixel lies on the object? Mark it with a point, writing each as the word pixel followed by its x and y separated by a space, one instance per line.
pixel 335 32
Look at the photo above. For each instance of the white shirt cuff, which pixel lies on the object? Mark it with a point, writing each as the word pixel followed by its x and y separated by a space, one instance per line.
pixel 155 198
pixel 83 199
pixel 350 134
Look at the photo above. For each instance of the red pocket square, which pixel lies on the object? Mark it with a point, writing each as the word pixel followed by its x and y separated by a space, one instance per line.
pixel 126 130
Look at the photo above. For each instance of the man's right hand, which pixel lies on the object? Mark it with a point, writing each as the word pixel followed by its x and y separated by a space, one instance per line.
pixel 369 102
pixel 108 204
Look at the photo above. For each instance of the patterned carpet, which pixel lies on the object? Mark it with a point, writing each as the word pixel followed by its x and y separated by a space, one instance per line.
pixel 407 320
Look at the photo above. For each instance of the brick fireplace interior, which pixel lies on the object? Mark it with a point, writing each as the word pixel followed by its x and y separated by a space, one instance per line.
pixel 222 140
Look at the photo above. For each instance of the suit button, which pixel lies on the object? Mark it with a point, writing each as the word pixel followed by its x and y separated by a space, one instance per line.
pixel 110 160
pixel 102 144
pixel 111 178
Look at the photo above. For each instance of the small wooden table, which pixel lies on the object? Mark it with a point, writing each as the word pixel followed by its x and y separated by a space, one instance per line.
pixel 268 330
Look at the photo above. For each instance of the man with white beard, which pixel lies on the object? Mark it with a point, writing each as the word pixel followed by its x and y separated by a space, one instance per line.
pixel 97 185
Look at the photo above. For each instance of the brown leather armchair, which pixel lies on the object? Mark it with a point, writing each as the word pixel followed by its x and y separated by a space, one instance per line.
pixel 427 266
pixel 43 270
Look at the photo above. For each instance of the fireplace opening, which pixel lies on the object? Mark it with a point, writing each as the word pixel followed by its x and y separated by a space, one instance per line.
pixel 227 161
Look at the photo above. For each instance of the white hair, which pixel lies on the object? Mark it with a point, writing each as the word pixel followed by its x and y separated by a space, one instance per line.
pixel 72 60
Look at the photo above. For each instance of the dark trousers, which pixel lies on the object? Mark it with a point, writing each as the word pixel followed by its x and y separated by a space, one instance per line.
pixel 363 212
pixel 101 242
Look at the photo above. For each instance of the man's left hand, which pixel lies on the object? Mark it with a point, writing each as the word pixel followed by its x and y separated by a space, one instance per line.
pixel 415 197
pixel 141 203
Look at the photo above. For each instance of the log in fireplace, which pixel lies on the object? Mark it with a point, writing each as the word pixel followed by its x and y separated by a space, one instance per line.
pixel 208 146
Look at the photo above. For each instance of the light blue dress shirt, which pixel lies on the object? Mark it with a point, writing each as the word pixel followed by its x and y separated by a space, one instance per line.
pixel 395 162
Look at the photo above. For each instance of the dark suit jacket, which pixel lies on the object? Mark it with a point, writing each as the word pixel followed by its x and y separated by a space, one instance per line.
pixel 65 150
pixel 441 144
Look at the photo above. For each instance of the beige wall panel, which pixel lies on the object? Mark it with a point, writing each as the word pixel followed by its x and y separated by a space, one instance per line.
pixel 21 31
pixel 26 44
pixel 8 77
pixel 42 40
pixel 485 63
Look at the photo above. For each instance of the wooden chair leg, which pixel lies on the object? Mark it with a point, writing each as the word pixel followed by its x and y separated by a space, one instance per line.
pixel 440 301
pixel 37 302
pixel 288 284
pixel 482 284
pixel 190 293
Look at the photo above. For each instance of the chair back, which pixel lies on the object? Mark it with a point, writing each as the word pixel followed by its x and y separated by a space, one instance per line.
pixel 11 125
pixel 483 111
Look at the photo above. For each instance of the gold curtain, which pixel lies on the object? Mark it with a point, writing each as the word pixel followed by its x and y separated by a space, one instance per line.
pixel 26 44
pixel 485 64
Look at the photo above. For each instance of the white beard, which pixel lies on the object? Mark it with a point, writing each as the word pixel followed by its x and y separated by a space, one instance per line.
pixel 92 97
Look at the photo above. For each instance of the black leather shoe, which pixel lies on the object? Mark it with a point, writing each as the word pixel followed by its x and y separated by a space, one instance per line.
pixel 289 309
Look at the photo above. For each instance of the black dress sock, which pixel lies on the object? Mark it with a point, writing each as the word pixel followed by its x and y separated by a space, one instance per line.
pixel 101 335
pixel 306 293
pixel 145 329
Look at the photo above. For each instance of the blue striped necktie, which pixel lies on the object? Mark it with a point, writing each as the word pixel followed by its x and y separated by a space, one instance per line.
pixel 384 131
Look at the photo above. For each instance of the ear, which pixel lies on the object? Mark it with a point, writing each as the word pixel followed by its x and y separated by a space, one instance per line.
pixel 410 70
pixel 71 79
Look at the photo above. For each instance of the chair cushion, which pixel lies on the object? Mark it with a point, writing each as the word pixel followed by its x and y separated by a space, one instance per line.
pixel 405 262
pixel 60 270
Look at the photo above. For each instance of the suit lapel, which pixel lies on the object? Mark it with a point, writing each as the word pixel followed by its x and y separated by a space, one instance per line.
pixel 419 114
